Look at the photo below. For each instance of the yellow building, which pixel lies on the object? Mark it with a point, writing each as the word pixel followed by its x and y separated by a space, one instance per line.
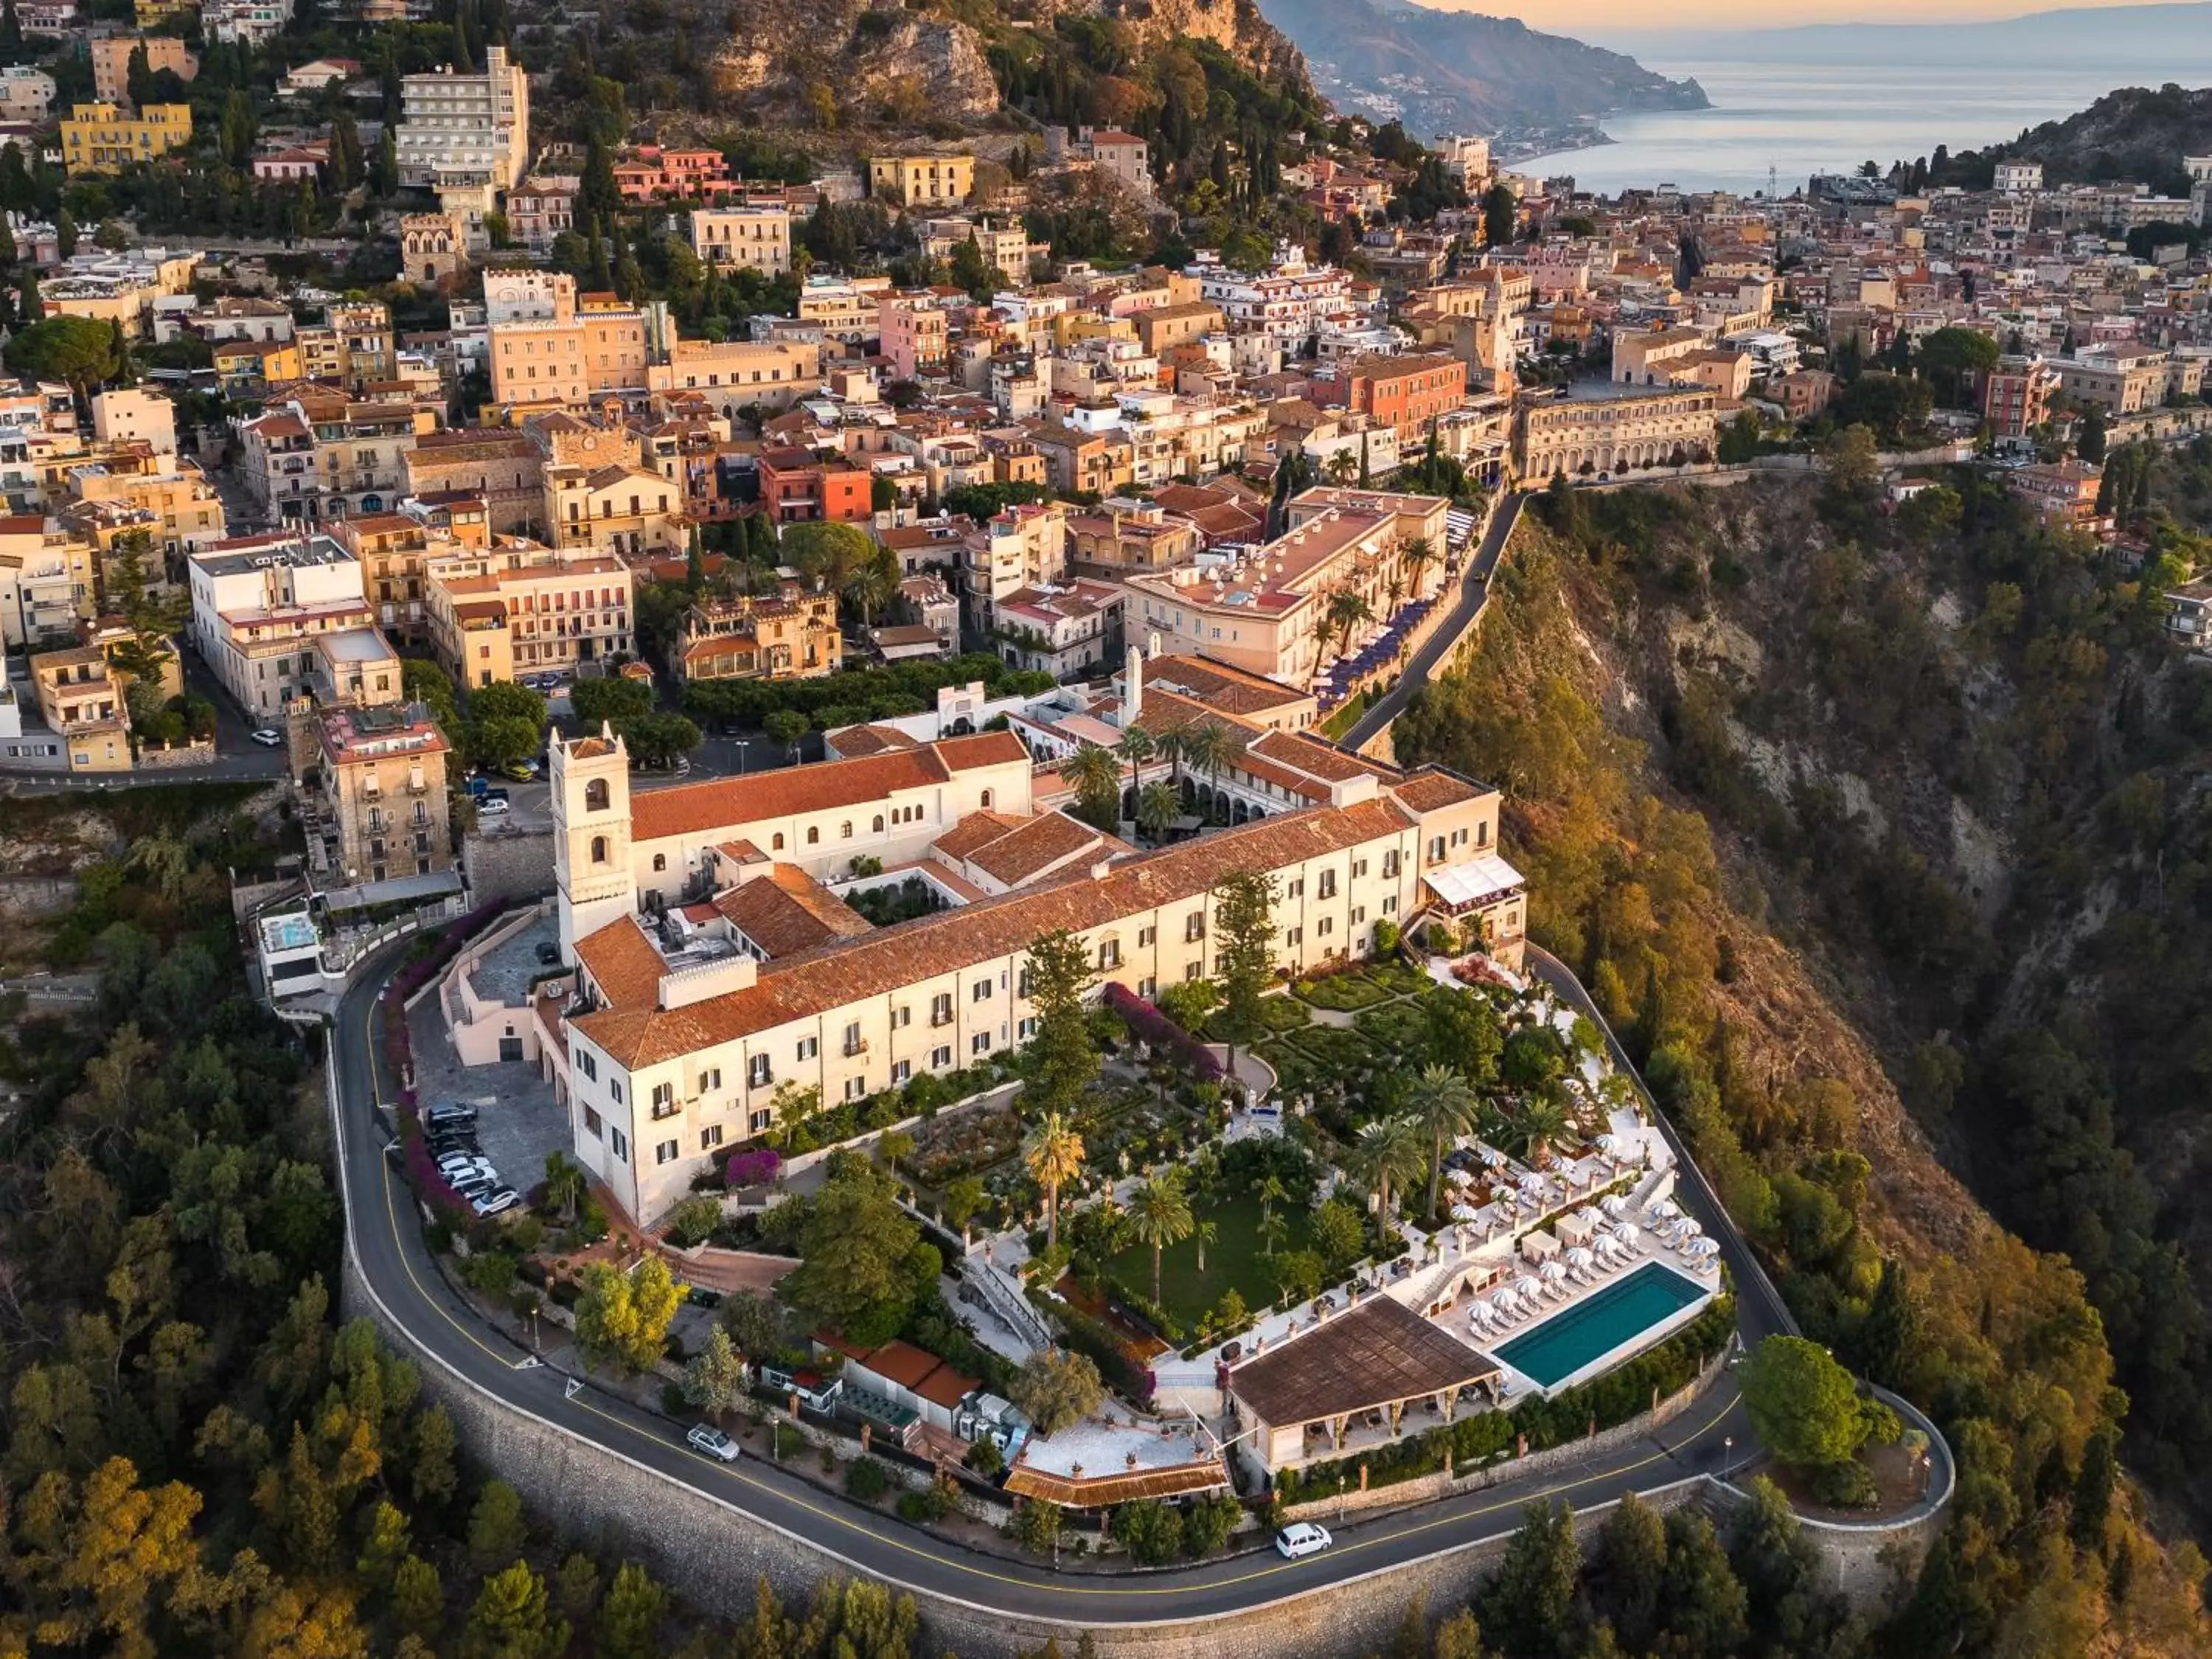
pixel 247 368
pixel 100 138
pixel 600 350
pixel 80 699
pixel 923 181
pixel 793 635
pixel 526 608
pixel 152 14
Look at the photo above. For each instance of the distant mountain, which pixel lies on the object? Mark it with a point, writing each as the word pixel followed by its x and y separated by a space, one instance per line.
pixel 2171 41
pixel 1457 72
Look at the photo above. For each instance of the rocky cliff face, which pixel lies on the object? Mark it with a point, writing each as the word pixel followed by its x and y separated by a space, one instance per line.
pixel 824 62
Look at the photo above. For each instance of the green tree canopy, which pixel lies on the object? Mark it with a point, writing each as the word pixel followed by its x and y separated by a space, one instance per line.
pixel 1803 1404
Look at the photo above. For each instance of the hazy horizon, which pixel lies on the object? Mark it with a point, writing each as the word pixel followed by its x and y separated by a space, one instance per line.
pixel 1585 19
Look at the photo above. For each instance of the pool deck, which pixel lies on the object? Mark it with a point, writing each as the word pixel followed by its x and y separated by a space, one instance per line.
pixel 1455 1319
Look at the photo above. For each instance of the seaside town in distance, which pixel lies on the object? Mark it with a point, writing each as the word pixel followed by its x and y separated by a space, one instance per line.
pixel 895 752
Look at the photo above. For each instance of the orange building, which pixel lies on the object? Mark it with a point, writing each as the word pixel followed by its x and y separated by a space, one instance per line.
pixel 797 485
pixel 1406 393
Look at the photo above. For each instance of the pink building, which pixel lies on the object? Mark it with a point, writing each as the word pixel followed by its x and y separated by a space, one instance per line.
pixel 914 337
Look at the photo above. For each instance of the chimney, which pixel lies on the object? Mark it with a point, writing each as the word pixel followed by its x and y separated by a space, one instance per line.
pixel 1133 686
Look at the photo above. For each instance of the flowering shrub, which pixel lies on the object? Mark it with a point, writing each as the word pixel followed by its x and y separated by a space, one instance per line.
pixel 1149 1025
pixel 756 1168
pixel 422 1171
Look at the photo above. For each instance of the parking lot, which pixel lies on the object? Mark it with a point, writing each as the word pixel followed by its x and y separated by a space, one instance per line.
pixel 517 1122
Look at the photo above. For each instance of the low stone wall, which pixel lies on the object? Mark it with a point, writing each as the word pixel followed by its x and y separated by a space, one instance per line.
pixel 1427 1488
pixel 183 757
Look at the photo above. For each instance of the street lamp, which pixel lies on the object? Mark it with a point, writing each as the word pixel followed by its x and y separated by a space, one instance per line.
pixel 741 755
pixel 1728 1456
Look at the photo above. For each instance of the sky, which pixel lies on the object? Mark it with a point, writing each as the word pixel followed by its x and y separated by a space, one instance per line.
pixel 1587 18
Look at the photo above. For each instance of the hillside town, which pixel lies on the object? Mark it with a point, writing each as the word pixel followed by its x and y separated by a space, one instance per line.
pixel 892 710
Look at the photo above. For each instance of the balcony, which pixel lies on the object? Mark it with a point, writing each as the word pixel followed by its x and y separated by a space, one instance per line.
pixel 855 1046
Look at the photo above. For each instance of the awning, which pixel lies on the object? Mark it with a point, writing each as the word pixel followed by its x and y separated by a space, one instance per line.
pixel 1477 882
pixel 400 890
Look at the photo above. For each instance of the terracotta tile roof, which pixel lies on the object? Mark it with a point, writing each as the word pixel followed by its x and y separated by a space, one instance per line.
pixel 984 749
pixel 1431 789
pixel 859 740
pixel 633 1033
pixel 622 962
pixel 691 808
pixel 789 912
pixel 974 833
pixel 688 809
pixel 1318 759
pixel 1231 690
pixel 1043 844
pixel 1379 1352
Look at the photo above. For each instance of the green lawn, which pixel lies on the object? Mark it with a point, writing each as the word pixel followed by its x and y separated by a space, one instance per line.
pixel 1231 1258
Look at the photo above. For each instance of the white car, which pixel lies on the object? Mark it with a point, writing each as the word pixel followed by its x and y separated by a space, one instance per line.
pixel 491 807
pixel 269 737
pixel 711 1442
pixel 496 1201
pixel 1301 1539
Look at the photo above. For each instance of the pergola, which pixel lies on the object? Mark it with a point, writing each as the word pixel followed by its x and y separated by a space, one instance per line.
pixel 1379 1359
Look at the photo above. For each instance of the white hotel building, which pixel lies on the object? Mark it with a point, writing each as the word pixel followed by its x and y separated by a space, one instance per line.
pixel 714 966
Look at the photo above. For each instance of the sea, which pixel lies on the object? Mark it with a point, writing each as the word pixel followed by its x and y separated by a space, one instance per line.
pixel 1787 122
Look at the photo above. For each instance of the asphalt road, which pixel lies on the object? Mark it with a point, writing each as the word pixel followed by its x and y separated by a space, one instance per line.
pixel 387 1242
pixel 1474 588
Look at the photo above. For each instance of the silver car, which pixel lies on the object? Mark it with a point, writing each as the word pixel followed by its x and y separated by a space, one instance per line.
pixel 710 1442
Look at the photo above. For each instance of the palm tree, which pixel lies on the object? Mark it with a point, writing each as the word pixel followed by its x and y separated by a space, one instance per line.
pixel 873 586
pixel 1441 1102
pixel 1209 748
pixel 1343 467
pixel 1170 747
pixel 1159 1215
pixel 1137 748
pixel 1097 780
pixel 1272 1226
pixel 565 1183
pixel 1539 1123
pixel 1416 553
pixel 1053 1157
pixel 1157 808
pixel 1204 1233
pixel 1387 1150
pixel 1346 611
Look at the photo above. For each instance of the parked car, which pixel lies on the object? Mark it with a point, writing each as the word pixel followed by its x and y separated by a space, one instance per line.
pixel 1301 1539
pixel 456 1163
pixel 493 806
pixel 701 1296
pixel 269 737
pixel 548 952
pixel 519 771
pixel 447 1112
pixel 496 1201
pixel 709 1442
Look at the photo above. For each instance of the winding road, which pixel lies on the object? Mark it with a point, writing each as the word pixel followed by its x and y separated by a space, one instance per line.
pixel 387 1244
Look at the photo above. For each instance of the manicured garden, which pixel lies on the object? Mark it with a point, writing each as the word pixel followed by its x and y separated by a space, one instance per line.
pixel 1237 1257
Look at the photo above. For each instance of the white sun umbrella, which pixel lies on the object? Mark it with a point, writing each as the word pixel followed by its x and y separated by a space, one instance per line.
pixel 1480 1314
pixel 1463 1212
pixel 1580 1257
pixel 1704 1248
pixel 1628 1232
pixel 1459 1178
pixel 1689 1226
pixel 1586 1216
pixel 1525 1285
pixel 1616 1206
pixel 1552 1272
pixel 1533 1182
pixel 1505 1302
pixel 1492 1158
pixel 1666 1209
pixel 1610 1145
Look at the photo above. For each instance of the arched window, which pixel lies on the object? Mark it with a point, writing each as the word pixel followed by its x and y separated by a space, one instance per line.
pixel 987 800
pixel 879 824
pixel 598 849
pixel 659 862
pixel 813 835
pixel 776 846
pixel 595 795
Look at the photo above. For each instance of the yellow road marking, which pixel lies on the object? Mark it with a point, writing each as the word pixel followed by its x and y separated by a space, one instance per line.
pixel 941 1559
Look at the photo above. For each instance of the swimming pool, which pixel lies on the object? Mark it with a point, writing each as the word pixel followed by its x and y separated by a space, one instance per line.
pixel 1608 1318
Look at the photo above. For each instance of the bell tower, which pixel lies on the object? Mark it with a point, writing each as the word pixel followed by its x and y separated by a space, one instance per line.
pixel 591 834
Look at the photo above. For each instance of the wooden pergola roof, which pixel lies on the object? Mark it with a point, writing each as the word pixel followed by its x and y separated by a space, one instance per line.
pixel 1379 1354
